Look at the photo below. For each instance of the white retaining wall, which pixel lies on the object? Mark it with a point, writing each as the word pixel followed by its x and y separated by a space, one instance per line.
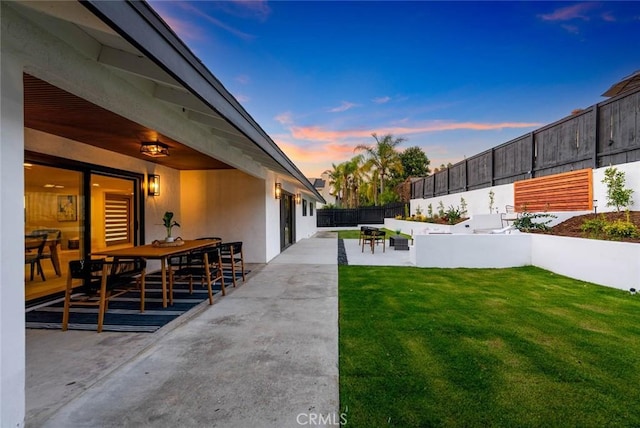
pixel 472 251
pixel 613 264
pixel 475 223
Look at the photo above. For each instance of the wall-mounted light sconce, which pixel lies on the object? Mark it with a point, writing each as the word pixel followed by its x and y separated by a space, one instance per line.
pixel 298 198
pixel 278 190
pixel 154 149
pixel 153 185
pixel 595 206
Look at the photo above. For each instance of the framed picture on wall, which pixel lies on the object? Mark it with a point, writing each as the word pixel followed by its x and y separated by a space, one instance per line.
pixel 68 208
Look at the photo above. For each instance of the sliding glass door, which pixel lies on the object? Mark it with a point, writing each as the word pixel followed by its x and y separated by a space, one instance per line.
pixel 53 201
pixel 81 209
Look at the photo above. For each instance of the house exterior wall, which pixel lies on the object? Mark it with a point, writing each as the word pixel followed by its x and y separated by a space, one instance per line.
pixel 12 328
pixel 228 204
pixel 305 224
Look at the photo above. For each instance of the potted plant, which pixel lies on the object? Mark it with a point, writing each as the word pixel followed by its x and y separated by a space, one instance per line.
pixel 169 223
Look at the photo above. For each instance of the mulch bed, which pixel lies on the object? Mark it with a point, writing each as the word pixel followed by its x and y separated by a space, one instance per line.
pixel 571 227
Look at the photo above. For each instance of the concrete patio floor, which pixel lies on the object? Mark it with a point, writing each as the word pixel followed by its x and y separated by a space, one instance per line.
pixel 264 355
pixel 260 356
pixel 390 257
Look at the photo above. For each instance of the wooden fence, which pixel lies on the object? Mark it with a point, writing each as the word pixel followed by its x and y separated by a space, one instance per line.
pixel 607 133
pixel 347 217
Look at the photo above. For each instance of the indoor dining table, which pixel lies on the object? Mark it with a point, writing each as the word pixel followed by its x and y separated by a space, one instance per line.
pixel 162 252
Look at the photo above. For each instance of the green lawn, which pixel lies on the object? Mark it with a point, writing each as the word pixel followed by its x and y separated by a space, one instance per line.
pixel 486 347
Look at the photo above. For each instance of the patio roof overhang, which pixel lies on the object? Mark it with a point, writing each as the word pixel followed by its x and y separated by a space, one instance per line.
pixel 136 41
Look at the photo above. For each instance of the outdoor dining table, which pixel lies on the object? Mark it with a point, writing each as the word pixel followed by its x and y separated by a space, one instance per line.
pixel 162 253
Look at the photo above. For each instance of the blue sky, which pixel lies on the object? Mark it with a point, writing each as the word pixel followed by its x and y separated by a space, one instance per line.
pixel 454 78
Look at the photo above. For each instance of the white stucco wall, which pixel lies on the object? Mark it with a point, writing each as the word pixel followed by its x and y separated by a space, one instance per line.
pixel 477 200
pixel 305 225
pixel 225 203
pixel 12 328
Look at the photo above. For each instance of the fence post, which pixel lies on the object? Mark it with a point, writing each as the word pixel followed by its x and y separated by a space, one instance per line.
pixel 492 161
pixel 534 154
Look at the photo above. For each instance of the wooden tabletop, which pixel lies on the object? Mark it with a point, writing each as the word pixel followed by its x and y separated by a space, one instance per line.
pixel 150 251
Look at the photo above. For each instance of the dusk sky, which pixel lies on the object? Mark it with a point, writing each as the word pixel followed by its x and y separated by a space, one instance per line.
pixel 454 78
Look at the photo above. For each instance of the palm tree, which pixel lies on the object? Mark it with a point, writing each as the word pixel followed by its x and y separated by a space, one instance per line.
pixel 336 179
pixel 353 176
pixel 383 157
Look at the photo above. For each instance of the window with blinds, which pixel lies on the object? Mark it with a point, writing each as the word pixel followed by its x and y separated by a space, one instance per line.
pixel 117 219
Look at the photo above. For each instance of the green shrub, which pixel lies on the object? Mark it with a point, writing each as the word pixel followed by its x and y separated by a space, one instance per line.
pixel 594 227
pixel 528 222
pixel 621 229
pixel 452 215
pixel 617 195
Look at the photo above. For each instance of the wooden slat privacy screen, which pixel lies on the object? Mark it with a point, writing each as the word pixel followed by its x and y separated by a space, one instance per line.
pixel 569 191
pixel 117 219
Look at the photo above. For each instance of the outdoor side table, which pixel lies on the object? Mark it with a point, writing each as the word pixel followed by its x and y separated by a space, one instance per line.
pixel 400 243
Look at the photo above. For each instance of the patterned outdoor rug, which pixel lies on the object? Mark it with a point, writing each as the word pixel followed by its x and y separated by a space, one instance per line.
pixel 124 313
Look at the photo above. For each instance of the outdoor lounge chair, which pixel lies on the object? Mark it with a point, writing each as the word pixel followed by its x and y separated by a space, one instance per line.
pixel 509 215
pixel 102 281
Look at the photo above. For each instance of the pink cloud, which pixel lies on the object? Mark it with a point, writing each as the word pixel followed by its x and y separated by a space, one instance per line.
pixel 316 133
pixel 576 11
pixel 186 30
pixel 285 118
pixel 608 17
pixel 346 105
pixel 381 100
pixel 317 153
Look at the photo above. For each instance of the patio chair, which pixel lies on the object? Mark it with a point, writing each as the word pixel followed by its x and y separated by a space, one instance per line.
pixel 232 254
pixel 101 281
pixel 363 230
pixel 380 236
pixel 367 236
pixel 205 264
pixel 179 262
pixel 33 249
